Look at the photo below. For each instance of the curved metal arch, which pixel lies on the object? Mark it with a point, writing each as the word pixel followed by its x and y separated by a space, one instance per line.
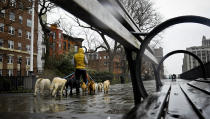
pixel 154 32
pixel 176 52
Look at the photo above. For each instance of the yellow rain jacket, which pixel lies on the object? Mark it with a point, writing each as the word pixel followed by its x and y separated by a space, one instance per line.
pixel 79 59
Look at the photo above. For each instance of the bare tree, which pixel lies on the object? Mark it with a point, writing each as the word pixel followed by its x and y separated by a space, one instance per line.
pixel 143 13
pixel 145 16
pixel 45 6
pixel 106 45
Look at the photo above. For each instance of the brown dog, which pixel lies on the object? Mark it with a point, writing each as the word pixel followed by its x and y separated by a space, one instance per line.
pixel 84 87
pixel 91 86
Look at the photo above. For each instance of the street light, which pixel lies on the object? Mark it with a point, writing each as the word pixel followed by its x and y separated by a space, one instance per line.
pixel 20 62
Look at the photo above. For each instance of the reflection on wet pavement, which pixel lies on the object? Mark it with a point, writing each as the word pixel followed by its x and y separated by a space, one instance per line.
pixel 99 106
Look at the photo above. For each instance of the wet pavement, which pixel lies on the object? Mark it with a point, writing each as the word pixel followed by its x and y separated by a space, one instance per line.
pixel 99 106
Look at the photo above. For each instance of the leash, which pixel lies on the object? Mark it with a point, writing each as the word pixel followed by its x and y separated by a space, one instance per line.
pixel 68 75
pixel 91 78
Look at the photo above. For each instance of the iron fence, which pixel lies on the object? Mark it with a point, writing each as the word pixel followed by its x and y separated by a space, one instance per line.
pixel 15 83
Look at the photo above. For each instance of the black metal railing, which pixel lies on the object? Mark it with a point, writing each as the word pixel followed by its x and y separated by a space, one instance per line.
pixel 16 83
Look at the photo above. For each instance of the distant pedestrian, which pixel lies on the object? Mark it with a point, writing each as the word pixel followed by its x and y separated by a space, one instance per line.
pixel 173 77
pixel 79 61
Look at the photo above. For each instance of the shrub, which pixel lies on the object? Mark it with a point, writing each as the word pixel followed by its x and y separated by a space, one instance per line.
pixel 61 65
pixel 101 76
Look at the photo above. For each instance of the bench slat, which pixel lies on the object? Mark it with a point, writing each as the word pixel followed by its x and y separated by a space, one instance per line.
pixel 199 99
pixel 179 107
pixel 204 87
pixel 152 107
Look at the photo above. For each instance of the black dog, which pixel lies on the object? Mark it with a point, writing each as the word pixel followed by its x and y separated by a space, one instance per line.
pixel 72 83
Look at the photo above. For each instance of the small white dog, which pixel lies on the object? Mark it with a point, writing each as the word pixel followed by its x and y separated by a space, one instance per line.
pixel 41 85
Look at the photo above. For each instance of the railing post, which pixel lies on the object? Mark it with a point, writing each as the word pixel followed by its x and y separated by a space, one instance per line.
pixel 131 63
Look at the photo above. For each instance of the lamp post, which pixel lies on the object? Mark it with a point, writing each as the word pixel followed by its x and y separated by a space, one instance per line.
pixel 20 62
pixel 17 82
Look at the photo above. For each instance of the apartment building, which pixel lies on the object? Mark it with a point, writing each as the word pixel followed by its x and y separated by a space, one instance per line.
pixel 15 38
pixel 61 43
pixel 99 61
pixel 203 52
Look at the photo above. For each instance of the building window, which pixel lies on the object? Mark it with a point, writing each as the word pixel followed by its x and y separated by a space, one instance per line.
pixel 1 27
pixel 1 42
pixel 28 48
pixel 20 19
pixel 19 46
pixel 64 46
pixel 27 61
pixel 11 16
pixel 1 58
pixel 59 35
pixel 29 22
pixel 104 57
pixel 75 48
pixel 30 11
pixel 20 5
pixel 12 3
pixel 2 14
pixel 3 1
pixel 11 30
pixel 54 35
pixel 53 46
pixel 10 72
pixel 10 59
pixel 105 63
pixel 10 44
pixel 59 45
pixel 96 56
pixel 19 33
pixel 68 45
pixel 19 59
pixel 28 35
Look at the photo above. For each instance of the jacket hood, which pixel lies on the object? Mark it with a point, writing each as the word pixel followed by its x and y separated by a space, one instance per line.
pixel 81 50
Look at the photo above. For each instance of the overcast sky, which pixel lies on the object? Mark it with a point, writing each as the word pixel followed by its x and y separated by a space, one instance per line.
pixel 184 35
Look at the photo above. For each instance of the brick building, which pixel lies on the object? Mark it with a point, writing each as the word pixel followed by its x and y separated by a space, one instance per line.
pixel 71 43
pixel 61 43
pixel 15 38
pixel 99 61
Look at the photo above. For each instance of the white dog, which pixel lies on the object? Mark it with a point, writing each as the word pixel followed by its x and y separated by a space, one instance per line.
pixel 100 86
pixel 57 83
pixel 106 86
pixel 41 85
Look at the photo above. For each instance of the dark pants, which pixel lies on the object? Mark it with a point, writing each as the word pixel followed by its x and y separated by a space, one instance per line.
pixel 78 73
